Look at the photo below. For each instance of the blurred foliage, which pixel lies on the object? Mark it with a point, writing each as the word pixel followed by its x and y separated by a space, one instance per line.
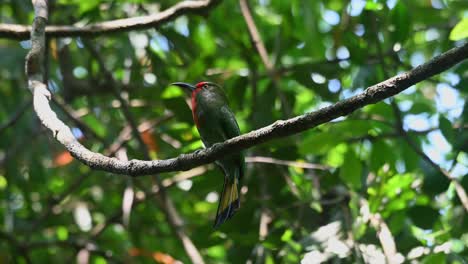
pixel 323 51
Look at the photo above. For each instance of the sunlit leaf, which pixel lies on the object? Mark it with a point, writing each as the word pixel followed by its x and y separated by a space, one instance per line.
pixel 460 31
pixel 62 233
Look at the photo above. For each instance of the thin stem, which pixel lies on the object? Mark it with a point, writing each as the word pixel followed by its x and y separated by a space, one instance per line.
pixel 11 121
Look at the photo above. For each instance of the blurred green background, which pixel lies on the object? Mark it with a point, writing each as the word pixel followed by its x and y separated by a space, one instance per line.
pixel 328 194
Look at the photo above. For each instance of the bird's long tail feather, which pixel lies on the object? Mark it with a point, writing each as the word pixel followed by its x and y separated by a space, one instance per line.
pixel 229 202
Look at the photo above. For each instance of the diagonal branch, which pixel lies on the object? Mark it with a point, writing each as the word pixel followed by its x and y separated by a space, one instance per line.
pixel 461 193
pixel 22 249
pixel 255 35
pixel 279 129
pixel 70 114
pixel 383 233
pixel 262 51
pixel 22 32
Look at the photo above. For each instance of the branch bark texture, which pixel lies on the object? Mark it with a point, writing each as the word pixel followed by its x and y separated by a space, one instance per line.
pixel 279 129
pixel 22 32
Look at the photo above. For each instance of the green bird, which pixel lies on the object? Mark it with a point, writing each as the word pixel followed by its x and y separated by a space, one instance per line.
pixel 216 123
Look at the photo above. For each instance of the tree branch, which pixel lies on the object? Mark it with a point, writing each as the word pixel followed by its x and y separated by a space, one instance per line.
pixel 74 244
pixel 22 32
pixel 256 39
pixel 260 47
pixel 22 249
pixel 383 233
pixel 279 129
pixel 461 193
pixel 75 119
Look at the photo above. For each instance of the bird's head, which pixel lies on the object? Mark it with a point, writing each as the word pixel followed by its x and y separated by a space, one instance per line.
pixel 199 87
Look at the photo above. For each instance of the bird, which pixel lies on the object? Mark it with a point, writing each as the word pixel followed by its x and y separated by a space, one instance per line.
pixel 216 123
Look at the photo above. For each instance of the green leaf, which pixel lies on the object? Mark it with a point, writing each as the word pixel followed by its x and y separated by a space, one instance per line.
pixel 408 156
pixel 287 235
pixel 3 182
pixel 447 129
pixel 435 259
pixel 457 245
pixel 374 6
pixel 381 153
pixel 172 92
pixel 402 22
pixel 434 181
pixel 336 156
pixel 351 171
pixel 217 252
pixel 423 216
pixel 268 15
pixel 319 143
pixel 62 233
pixel 100 260
pixel 205 39
pixel 460 31
pixel 421 106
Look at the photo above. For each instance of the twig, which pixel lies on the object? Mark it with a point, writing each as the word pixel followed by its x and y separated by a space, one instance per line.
pixel 383 233
pixel 461 193
pixel 386 238
pixel 20 247
pixel 116 89
pixel 125 133
pixel 98 229
pixel 256 39
pixel 458 187
pixel 16 115
pixel 91 247
pixel 396 134
pixel 75 119
pixel 55 200
pixel 260 47
pixel 279 129
pixel 22 32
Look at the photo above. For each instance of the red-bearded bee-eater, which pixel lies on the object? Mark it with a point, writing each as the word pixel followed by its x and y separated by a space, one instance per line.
pixel 216 123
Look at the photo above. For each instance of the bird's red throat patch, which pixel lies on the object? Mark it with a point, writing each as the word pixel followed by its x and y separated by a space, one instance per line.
pixel 198 88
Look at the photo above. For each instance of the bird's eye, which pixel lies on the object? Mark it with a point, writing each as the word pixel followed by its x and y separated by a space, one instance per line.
pixel 205 86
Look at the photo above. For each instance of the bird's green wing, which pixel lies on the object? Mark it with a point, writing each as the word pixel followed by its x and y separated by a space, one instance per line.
pixel 228 123
pixel 231 129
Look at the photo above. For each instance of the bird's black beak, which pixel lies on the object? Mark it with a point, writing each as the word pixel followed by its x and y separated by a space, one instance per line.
pixel 187 86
